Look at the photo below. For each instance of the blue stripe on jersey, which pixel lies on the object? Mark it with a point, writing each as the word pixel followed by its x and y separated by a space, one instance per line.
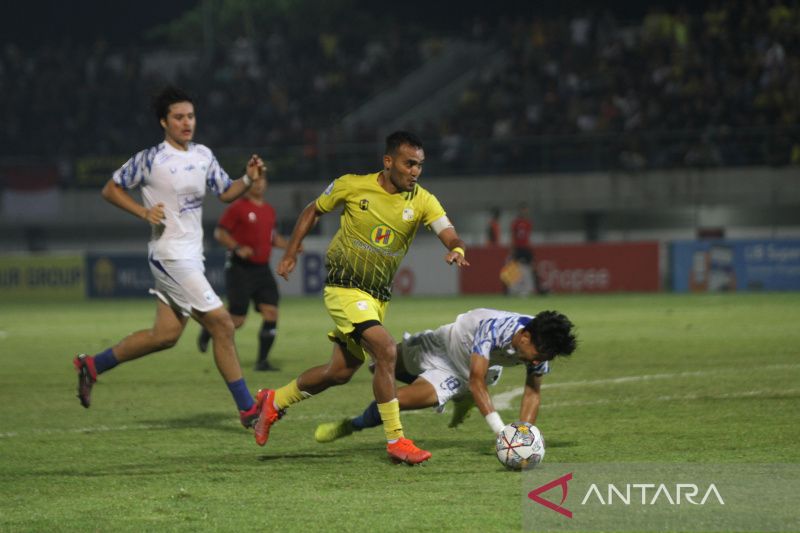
pixel 496 333
pixel 217 179
pixel 151 156
pixel 137 168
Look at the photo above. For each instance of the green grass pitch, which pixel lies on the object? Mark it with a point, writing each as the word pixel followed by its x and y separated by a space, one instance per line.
pixel 708 378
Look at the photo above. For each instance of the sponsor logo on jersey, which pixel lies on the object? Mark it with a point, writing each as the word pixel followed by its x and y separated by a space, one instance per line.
pixel 382 236
pixel 189 202
pixel 363 305
pixel 408 214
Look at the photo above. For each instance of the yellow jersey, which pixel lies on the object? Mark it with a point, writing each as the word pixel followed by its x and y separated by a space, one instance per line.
pixel 375 232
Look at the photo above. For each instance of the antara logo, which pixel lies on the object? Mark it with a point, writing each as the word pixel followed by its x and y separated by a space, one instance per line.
pixel 629 494
pixel 560 482
pixel 382 236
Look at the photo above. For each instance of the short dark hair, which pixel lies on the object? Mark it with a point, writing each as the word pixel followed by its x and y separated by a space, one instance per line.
pixel 166 97
pixel 551 333
pixel 397 139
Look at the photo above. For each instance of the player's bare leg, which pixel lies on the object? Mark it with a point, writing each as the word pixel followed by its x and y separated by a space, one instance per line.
pixel 238 321
pixel 167 329
pixel 205 336
pixel 418 395
pixel 219 324
pixel 337 371
pixel 383 348
pixel 272 403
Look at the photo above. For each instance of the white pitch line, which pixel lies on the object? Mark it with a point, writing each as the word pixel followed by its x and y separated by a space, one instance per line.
pixel 685 397
pixel 95 429
pixel 503 400
pixel 549 405
pixel 500 401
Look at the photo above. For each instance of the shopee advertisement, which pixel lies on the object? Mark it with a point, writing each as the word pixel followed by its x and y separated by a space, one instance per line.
pixel 570 268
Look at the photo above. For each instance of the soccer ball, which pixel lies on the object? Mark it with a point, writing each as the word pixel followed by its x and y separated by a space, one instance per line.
pixel 520 446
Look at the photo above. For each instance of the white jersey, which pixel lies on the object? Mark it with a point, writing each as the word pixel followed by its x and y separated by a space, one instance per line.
pixel 486 332
pixel 178 179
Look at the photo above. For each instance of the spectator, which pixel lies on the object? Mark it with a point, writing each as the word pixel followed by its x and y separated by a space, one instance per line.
pixel 493 228
pixel 521 249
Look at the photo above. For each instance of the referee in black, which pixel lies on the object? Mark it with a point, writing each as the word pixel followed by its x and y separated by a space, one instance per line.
pixel 247 230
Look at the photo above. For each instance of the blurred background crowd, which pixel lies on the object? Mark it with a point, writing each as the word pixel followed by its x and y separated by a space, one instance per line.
pixel 578 89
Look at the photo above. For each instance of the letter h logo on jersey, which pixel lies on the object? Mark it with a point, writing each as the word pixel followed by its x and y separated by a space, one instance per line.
pixel 382 236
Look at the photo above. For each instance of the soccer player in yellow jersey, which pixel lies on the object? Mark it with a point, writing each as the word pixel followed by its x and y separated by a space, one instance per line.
pixel 382 213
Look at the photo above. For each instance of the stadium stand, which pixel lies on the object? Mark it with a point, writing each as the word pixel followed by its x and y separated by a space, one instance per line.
pixel 582 92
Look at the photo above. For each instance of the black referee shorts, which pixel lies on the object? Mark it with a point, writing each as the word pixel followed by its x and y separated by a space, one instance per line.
pixel 247 282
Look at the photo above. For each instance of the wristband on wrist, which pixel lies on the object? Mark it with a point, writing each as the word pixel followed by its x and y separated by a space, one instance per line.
pixel 495 422
pixel 247 181
pixel 459 250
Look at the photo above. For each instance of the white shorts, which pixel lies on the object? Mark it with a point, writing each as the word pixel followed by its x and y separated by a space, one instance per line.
pixel 182 284
pixel 425 355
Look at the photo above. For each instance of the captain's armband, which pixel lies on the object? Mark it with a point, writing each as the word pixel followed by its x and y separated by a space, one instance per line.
pixel 441 224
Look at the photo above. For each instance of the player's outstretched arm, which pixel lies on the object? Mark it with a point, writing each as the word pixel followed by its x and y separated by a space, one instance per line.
pixel 455 245
pixel 256 170
pixel 478 367
pixel 307 219
pixel 119 197
pixel 531 399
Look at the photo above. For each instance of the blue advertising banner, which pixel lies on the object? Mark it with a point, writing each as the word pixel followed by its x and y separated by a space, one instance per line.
pixel 735 265
pixel 121 275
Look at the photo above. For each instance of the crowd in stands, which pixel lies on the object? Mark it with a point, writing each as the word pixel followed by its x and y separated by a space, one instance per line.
pixel 704 89
pixel 586 91
pixel 77 100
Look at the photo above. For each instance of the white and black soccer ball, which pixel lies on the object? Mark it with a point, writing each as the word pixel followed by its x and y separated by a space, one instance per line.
pixel 520 446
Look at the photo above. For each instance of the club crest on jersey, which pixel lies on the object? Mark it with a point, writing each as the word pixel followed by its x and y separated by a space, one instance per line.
pixel 364 205
pixel 382 236
pixel 408 214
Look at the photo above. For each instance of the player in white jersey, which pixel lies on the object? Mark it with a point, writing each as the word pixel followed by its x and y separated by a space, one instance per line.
pixel 173 177
pixel 459 360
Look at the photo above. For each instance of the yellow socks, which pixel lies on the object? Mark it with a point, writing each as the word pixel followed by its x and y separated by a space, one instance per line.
pixel 390 414
pixel 289 394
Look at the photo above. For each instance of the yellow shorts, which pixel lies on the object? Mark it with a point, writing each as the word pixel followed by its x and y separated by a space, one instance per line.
pixel 351 306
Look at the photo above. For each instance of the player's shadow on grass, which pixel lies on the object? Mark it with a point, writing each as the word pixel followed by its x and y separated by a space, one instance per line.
pixel 483 446
pixel 211 421
pixel 330 453
pixel 156 467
